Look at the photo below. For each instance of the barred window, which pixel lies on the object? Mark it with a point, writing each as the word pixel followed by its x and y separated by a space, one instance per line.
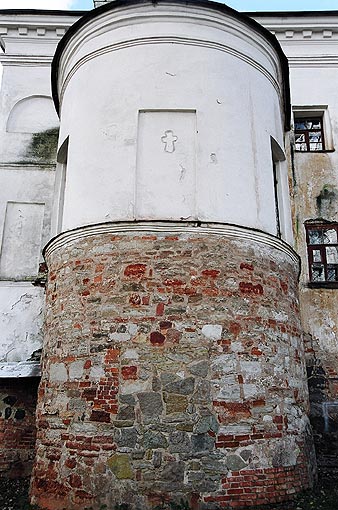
pixel 322 246
pixel 309 135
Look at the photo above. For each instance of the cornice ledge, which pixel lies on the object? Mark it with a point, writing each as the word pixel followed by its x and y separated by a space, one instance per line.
pixel 306 36
pixel 191 228
pixel 20 369
pixel 299 27
pixel 27 166
pixel 314 61
pixel 25 60
pixel 17 21
pixel 139 14
pixel 40 33
pixel 136 41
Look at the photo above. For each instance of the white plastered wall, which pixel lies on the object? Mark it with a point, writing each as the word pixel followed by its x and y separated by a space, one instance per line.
pixel 310 43
pixel 209 83
pixel 26 181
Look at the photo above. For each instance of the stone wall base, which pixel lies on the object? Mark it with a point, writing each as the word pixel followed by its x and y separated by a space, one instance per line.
pixel 173 368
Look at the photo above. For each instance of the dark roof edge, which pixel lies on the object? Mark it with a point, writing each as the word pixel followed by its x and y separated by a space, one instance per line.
pixel 90 15
pixel 300 14
pixel 38 12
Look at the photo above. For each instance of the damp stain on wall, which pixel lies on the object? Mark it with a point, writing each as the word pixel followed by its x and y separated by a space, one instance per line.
pixel 327 202
pixel 43 146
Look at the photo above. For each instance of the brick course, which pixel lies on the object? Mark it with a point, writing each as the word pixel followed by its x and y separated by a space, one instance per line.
pixel 174 369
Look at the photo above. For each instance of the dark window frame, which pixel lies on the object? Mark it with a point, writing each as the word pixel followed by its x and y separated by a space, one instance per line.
pixel 306 132
pixel 321 247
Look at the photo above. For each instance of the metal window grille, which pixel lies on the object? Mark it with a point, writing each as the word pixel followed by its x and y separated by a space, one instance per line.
pixel 322 246
pixel 309 135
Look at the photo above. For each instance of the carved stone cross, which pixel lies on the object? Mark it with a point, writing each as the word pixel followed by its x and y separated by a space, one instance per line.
pixel 169 140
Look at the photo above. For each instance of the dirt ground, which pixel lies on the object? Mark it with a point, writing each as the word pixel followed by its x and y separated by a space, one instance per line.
pixel 14 495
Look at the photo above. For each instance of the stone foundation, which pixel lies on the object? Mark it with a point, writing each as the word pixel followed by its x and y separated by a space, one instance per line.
pixel 173 368
pixel 17 426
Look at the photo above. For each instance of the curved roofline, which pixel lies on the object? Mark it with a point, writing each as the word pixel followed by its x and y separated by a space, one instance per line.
pixel 193 3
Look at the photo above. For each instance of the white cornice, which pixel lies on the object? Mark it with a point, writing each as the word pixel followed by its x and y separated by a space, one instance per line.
pixel 301 36
pixel 315 28
pixel 33 28
pixel 300 27
pixel 170 40
pixel 288 21
pixel 37 20
pixel 67 238
pixel 26 60
pixel 317 61
pixel 244 43
pixel 20 37
pixel 36 31
pixel 128 16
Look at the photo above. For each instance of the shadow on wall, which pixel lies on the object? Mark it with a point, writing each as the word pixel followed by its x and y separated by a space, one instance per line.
pixel 17 421
pixel 327 202
pixel 323 416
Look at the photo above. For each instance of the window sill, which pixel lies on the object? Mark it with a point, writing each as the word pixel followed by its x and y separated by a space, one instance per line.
pixel 315 152
pixel 323 285
pixel 23 279
pixel 37 281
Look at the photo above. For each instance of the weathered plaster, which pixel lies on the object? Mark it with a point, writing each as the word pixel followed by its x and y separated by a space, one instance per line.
pixel 189 73
pixel 28 140
pixel 311 47
pixel 21 319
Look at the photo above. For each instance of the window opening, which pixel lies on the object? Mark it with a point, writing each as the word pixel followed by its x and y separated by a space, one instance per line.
pixel 276 191
pixel 59 188
pixel 322 245
pixel 309 134
pixel 62 194
pixel 278 170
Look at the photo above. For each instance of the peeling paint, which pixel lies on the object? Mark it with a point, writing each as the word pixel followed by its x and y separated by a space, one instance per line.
pixel 21 318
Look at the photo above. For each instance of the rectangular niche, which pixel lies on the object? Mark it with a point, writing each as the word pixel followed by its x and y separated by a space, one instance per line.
pixel 21 240
pixel 166 166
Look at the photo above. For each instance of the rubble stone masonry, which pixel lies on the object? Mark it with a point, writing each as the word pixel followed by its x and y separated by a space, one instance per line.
pixel 173 367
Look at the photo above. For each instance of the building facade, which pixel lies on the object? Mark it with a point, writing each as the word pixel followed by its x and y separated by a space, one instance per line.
pixel 308 41
pixel 188 212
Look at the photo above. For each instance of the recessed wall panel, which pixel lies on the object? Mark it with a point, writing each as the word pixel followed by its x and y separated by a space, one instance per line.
pixel 21 240
pixel 166 174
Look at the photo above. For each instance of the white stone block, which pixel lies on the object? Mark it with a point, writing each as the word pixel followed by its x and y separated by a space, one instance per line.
pixel 212 331
pixel 58 372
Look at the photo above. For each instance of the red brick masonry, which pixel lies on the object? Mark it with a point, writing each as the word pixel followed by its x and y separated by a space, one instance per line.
pixel 173 368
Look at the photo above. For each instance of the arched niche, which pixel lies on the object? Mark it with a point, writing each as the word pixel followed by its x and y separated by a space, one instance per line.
pixel 32 114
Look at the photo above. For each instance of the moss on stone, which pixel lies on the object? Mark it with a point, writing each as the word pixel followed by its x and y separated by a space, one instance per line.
pixel 43 146
pixel 119 464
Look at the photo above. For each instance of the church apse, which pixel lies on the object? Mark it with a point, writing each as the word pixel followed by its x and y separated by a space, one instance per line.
pixel 173 355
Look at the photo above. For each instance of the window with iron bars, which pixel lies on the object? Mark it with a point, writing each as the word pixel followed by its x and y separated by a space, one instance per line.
pixel 309 135
pixel 322 247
